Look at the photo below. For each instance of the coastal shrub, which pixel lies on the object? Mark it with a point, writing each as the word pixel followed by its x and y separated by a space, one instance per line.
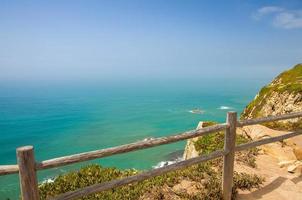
pixel 245 181
pixel 201 173
pixel 215 141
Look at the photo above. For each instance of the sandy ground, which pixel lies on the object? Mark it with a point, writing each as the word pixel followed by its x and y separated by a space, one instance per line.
pixel 279 184
pixel 298 140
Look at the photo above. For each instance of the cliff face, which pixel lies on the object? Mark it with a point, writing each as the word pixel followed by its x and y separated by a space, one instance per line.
pixel 190 150
pixel 196 146
pixel 283 95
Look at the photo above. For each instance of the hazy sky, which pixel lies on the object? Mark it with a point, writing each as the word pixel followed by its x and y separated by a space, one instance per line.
pixel 104 40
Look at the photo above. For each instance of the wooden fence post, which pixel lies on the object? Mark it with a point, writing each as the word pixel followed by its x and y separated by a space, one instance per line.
pixel 228 159
pixel 27 173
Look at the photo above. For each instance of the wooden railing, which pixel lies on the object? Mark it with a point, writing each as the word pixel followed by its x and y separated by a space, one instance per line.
pixel 27 165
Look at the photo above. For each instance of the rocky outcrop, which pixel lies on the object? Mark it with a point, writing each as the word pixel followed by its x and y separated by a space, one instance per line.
pixel 190 150
pixel 283 95
pixel 288 152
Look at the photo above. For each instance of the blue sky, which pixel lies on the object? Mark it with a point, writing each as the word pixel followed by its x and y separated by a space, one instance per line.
pixel 148 40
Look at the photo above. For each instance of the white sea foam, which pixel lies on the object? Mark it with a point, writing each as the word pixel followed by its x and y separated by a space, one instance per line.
pixel 225 108
pixel 166 163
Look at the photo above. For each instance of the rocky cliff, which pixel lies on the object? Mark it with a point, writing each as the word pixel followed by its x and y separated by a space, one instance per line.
pixel 283 95
pixel 190 150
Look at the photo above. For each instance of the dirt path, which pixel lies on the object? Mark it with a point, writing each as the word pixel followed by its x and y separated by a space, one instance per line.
pixel 279 183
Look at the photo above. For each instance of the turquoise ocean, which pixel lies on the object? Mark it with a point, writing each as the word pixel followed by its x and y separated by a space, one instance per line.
pixel 66 118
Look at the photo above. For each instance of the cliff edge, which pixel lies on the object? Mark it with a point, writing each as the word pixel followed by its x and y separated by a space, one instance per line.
pixel 283 95
pixel 280 163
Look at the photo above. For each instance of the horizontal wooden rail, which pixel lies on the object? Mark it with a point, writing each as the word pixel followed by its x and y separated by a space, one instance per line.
pixel 8 169
pixel 268 119
pixel 267 141
pixel 230 127
pixel 152 173
pixel 65 160
pixel 128 147
pixel 139 177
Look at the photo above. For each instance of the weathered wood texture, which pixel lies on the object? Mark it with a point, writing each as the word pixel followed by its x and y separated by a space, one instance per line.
pixel 267 141
pixel 127 148
pixel 139 177
pixel 8 169
pixel 228 159
pixel 27 173
pixel 268 119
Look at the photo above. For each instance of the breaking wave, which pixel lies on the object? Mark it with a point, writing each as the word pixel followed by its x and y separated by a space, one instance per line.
pixel 166 163
pixel 225 108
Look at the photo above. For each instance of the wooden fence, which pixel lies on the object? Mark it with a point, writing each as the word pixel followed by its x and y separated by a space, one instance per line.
pixel 27 165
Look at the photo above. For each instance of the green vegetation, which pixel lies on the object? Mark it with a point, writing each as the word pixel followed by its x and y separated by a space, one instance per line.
pixel 202 173
pixel 215 141
pixel 209 174
pixel 289 81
